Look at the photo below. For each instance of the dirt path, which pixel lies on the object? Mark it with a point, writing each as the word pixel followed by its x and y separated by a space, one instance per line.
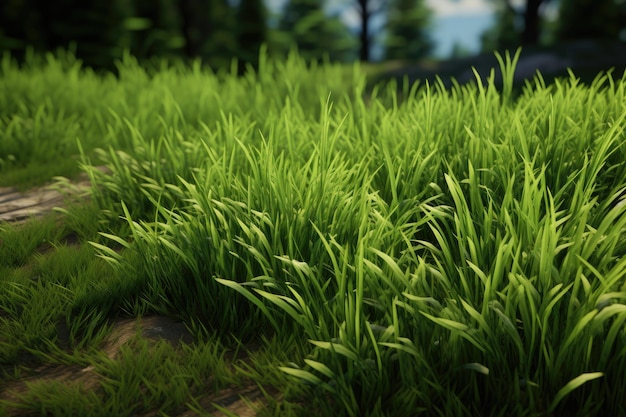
pixel 237 400
pixel 19 206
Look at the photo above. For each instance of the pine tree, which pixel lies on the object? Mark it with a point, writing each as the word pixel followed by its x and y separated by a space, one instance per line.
pixel 579 19
pixel 222 44
pixel 341 44
pixel 195 25
pixel 208 29
pixel 367 10
pixel 299 19
pixel 251 30
pixel 155 27
pixel 406 26
pixel 504 34
pixel 516 24
pixel 305 24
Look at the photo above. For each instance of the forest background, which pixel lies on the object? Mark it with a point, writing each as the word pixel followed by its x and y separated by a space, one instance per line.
pixel 99 32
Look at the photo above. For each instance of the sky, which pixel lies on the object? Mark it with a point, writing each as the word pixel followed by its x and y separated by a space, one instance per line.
pixel 440 7
pixel 459 22
pixel 461 30
pixel 446 8
pixel 454 21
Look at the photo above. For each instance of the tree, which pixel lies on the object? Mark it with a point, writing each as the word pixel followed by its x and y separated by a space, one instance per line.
pixel 222 44
pixel 367 9
pixel 296 27
pixel 345 46
pixel 577 19
pixel 406 35
pixel 306 25
pixel 208 29
pixel 156 29
pixel 507 33
pixel 94 27
pixel 251 30
pixel 591 19
pixel 20 26
pixel 195 25
pixel 532 22
pixel 101 30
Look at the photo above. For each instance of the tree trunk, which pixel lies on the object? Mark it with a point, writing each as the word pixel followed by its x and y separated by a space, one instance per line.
pixel 196 26
pixel 364 54
pixel 530 36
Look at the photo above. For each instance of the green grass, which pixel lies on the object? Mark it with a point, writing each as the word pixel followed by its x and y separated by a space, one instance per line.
pixel 453 252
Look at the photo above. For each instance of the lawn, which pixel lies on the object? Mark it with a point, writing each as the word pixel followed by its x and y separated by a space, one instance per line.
pixel 337 246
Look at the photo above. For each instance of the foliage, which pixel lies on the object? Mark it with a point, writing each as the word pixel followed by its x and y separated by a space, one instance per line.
pixel 251 30
pixel 504 34
pixel 576 19
pixel 153 29
pixel 305 25
pixel 47 26
pixel 100 32
pixel 592 19
pixel 367 10
pixel 407 21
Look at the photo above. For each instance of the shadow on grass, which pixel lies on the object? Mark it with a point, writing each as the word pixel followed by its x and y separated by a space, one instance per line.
pixel 585 58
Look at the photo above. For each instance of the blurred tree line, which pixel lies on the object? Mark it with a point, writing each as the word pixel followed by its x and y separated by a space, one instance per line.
pixel 99 31
pixel 549 21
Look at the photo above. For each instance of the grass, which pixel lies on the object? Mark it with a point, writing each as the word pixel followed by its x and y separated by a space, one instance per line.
pixel 405 250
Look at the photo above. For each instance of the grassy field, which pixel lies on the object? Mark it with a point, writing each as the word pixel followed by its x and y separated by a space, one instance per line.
pixel 396 250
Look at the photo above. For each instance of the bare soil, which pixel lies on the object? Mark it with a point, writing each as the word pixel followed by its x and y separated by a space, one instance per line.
pixel 20 206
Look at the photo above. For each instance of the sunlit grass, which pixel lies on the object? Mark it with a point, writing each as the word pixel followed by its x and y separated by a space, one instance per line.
pixel 416 250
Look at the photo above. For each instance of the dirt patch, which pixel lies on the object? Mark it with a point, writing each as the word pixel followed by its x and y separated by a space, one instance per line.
pixel 237 400
pixel 19 206
pixel 16 206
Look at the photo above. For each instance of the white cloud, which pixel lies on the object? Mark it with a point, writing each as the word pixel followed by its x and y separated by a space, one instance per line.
pixel 459 7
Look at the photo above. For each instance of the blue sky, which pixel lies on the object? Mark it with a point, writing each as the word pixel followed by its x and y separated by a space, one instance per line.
pixel 459 22
pixel 463 21
pixel 455 21
pixel 464 30
pixel 460 7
